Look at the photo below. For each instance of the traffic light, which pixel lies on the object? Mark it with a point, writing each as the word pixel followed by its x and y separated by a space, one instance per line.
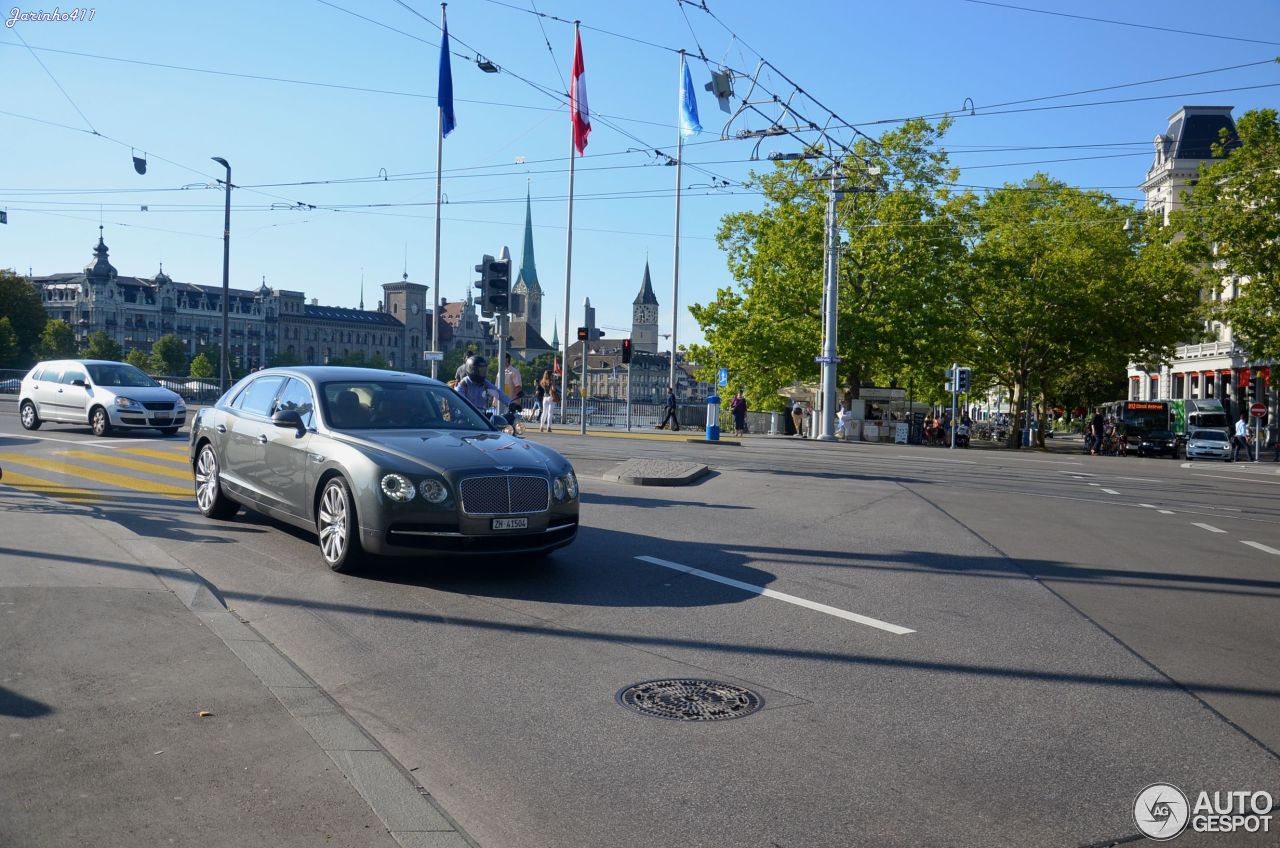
pixel 582 334
pixel 626 350
pixel 1257 391
pixel 483 284
pixel 962 380
pixel 499 284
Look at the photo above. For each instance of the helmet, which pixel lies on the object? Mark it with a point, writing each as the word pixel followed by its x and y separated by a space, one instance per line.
pixel 477 368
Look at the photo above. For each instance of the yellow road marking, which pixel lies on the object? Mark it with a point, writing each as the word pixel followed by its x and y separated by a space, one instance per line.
pixel 17 480
pixel 131 464
pixel 118 480
pixel 179 457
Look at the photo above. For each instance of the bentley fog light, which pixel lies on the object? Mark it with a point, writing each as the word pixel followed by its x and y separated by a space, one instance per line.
pixel 397 487
pixel 433 491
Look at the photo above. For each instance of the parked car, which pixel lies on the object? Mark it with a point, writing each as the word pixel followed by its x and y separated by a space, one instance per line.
pixel 1208 444
pixel 105 395
pixel 378 462
pixel 1158 443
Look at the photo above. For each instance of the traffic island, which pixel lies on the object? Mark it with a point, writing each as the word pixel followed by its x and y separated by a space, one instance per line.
pixel 657 472
pixel 714 442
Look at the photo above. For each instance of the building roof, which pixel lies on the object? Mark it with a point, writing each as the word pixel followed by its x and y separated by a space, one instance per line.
pixel 646 295
pixel 525 337
pixel 528 276
pixel 1193 130
pixel 341 313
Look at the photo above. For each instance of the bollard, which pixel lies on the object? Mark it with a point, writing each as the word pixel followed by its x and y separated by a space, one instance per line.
pixel 713 418
pixel 775 424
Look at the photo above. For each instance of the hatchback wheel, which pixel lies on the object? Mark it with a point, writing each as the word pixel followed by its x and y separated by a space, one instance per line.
pixel 337 526
pixel 100 422
pixel 30 418
pixel 210 499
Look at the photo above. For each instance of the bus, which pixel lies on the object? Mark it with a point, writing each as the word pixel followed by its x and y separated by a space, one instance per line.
pixel 1135 417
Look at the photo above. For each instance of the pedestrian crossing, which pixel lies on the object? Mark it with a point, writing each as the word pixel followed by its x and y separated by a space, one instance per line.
pixel 88 476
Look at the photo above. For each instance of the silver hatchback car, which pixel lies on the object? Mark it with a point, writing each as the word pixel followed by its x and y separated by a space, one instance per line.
pixel 103 394
pixel 1208 444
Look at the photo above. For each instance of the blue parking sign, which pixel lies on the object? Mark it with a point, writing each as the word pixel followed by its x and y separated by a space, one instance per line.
pixel 724 377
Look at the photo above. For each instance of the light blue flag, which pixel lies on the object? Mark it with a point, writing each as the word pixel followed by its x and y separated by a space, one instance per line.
pixel 688 103
pixel 444 98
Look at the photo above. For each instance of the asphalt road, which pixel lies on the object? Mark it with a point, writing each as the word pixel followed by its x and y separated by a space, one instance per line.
pixel 1009 647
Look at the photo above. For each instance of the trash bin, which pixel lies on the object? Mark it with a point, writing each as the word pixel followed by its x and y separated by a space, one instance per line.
pixel 775 425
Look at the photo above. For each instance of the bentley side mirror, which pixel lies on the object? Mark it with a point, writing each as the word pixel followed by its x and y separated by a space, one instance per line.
pixel 289 418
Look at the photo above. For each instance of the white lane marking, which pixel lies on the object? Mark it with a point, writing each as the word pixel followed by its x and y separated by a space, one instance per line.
pixel 1165 511
pixel 770 593
pixel 1078 473
pixel 1186 465
pixel 1148 506
pixel 1111 491
pixel 1208 527
pixel 1095 484
pixel 1141 479
pixel 1264 548
pixel 1243 478
pixel 73 441
pixel 932 459
pixel 1046 461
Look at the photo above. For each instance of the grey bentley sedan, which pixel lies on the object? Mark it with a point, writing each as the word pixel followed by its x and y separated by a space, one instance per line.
pixel 379 462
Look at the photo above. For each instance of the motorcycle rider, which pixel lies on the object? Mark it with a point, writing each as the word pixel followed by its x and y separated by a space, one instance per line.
pixel 476 387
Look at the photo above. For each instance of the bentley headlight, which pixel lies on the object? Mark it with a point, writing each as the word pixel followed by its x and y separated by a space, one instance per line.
pixel 398 488
pixel 557 488
pixel 571 484
pixel 433 491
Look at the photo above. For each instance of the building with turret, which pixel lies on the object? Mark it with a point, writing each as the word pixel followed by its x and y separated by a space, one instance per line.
pixel 644 317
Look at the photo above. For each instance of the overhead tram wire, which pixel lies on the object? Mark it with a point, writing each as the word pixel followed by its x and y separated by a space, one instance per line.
pixel 45 67
pixel 1121 23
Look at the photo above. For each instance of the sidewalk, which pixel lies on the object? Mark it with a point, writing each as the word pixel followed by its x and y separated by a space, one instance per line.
pixel 109 652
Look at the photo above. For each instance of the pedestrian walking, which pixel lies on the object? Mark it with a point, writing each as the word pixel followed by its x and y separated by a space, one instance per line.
pixel 540 393
pixel 550 399
pixel 1241 439
pixel 738 406
pixel 1097 426
pixel 797 418
pixel 671 411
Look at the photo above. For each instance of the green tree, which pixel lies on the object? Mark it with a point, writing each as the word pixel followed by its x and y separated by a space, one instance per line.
pixel 1058 284
pixel 58 341
pixel 202 367
pixel 168 356
pixel 102 346
pixel 9 350
pixel 282 360
pixel 900 240
pixel 20 303
pixel 1232 222
pixel 138 359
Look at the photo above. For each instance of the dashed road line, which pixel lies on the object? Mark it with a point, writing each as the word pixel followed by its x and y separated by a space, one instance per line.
pixel 1111 491
pixel 1095 484
pixel 1165 511
pixel 1266 549
pixel 781 596
pixel 1208 527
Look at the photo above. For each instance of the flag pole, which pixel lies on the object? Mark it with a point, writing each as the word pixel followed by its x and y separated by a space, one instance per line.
pixel 435 290
pixel 675 271
pixel 568 256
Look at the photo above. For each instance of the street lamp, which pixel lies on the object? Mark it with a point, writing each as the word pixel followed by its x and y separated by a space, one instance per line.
pixel 224 368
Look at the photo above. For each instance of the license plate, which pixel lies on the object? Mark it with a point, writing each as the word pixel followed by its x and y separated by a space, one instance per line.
pixel 510 524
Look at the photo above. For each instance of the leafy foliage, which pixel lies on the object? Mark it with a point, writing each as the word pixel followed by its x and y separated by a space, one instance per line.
pixel 9 350
pixel 168 356
pixel 20 303
pixel 138 359
pixel 102 346
pixel 202 367
pixel 58 341
pixel 1232 222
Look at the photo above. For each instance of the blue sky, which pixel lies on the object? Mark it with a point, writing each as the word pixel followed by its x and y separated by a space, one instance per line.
pixel 866 61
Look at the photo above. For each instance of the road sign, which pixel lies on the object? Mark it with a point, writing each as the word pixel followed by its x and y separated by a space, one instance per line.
pixel 433 356
pixel 824 360
pixel 1258 410
pixel 723 379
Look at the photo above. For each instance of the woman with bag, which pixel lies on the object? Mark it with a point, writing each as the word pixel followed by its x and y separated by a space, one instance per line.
pixel 550 400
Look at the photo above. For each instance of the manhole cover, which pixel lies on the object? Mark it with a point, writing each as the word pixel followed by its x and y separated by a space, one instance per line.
pixel 690 700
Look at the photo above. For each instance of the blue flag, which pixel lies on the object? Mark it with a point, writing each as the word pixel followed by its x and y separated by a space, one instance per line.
pixel 688 103
pixel 445 97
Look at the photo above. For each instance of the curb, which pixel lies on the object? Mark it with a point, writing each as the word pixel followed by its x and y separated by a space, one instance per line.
pixel 410 815
pixel 656 472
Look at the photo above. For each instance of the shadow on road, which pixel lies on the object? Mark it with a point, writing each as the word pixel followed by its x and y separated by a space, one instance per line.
pixel 20 706
pixel 652 503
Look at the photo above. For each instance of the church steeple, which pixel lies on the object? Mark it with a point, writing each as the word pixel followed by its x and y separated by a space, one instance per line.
pixel 527 300
pixel 555 335
pixel 528 271
pixel 644 316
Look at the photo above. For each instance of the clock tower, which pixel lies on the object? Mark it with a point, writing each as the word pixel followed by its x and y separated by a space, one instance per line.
pixel 644 317
pixel 407 303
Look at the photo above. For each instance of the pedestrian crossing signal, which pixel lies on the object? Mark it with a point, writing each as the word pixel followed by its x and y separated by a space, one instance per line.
pixel 962 380
pixel 626 350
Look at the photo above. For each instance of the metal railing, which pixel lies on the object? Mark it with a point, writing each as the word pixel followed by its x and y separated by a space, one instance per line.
pixel 192 390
